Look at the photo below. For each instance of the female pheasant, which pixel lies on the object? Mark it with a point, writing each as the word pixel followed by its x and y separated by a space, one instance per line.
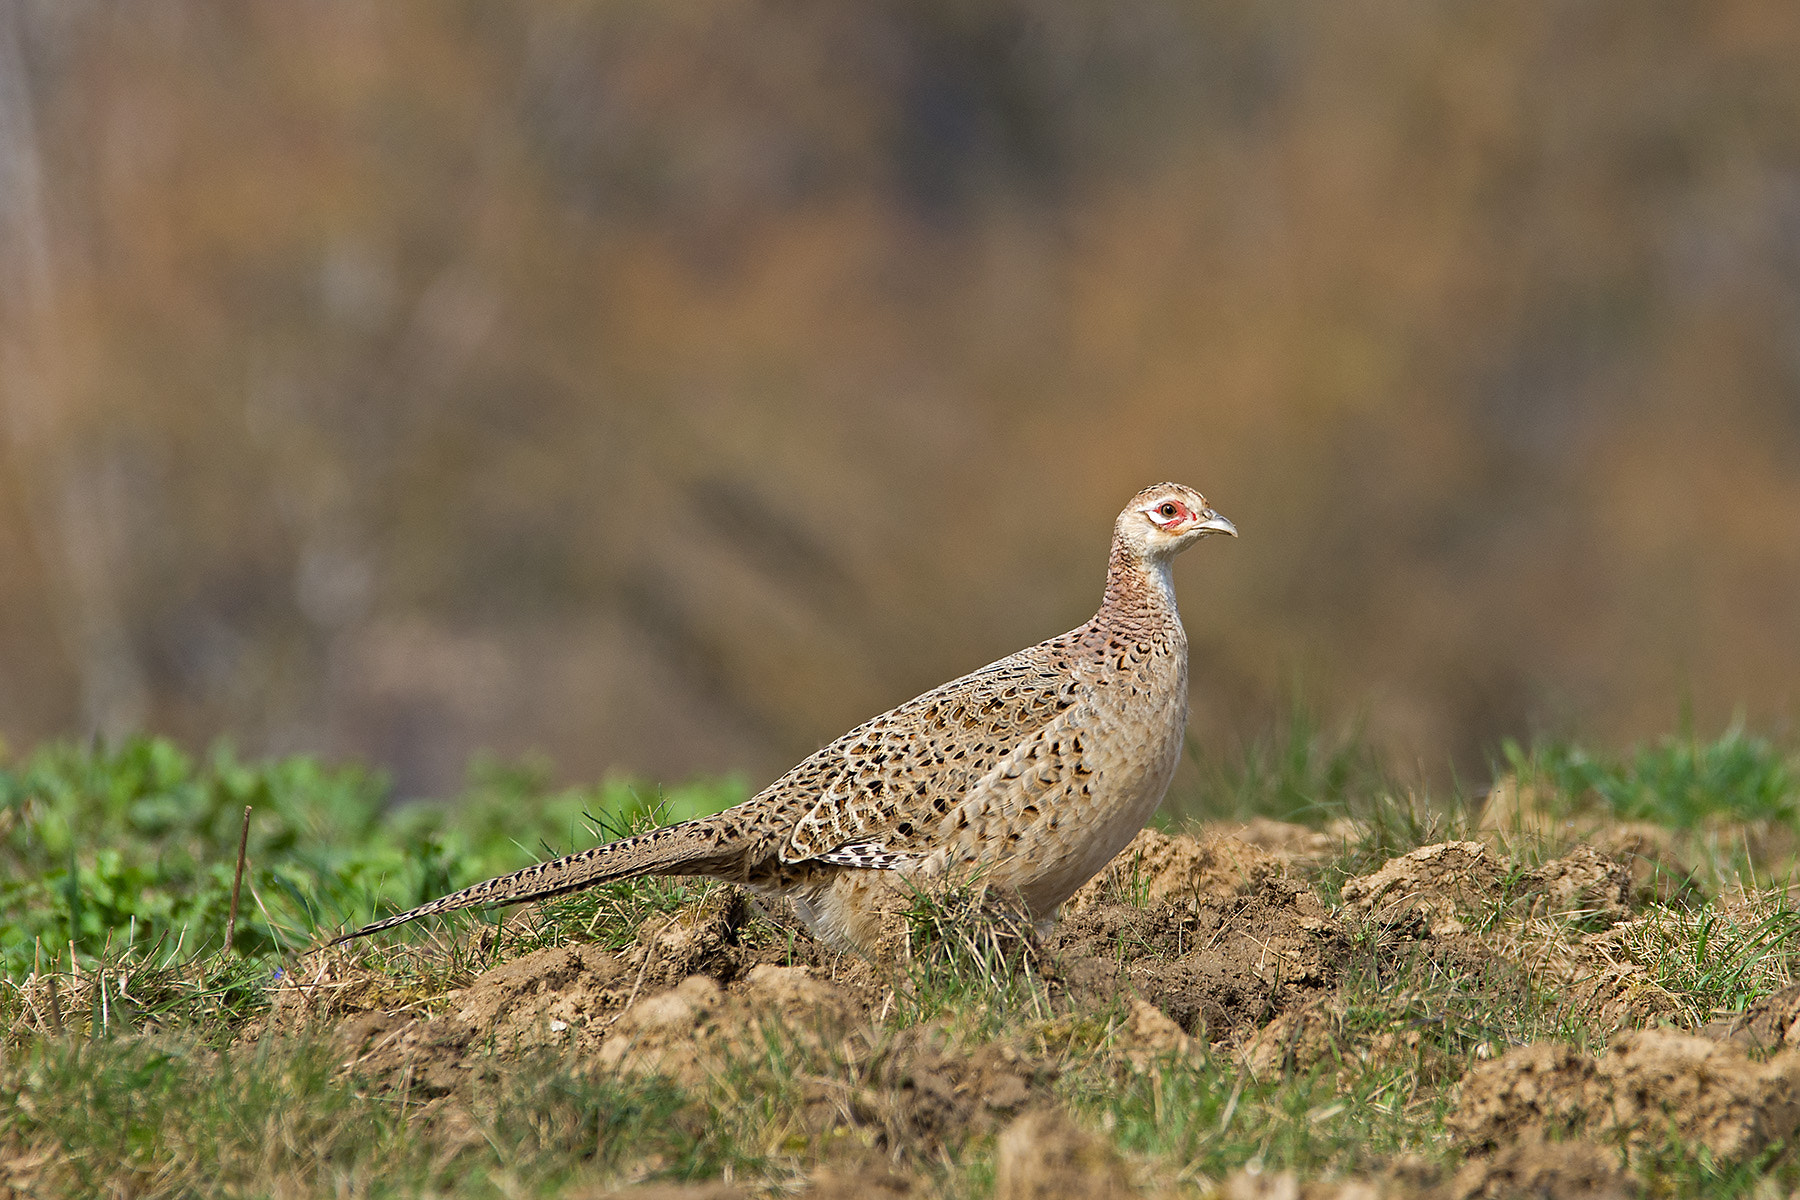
pixel 1034 770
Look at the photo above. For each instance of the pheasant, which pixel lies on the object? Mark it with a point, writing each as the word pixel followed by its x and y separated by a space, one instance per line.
pixel 1034 770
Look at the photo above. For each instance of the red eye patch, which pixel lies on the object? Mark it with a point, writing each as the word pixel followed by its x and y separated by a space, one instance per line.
pixel 1169 512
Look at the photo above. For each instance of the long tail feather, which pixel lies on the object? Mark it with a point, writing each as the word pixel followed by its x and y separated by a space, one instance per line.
pixel 673 850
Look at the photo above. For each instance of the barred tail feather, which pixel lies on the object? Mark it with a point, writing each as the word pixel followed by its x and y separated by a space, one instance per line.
pixel 672 850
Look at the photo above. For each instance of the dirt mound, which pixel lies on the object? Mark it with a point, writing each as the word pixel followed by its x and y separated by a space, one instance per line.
pixel 1575 1170
pixel 1150 1035
pixel 1436 885
pixel 604 1006
pixel 1045 1156
pixel 1301 847
pixel 331 985
pixel 689 1031
pixel 1250 1184
pixel 1771 1022
pixel 865 1176
pixel 1659 873
pixel 1215 966
pixel 1322 1031
pixel 1430 887
pixel 1534 1167
pixel 926 1088
pixel 1457 905
pixel 555 997
pixel 723 937
pixel 1158 867
pixel 1649 1083
pixel 1602 978
pixel 1586 881
pixel 1296 1040
pixel 1512 810
pixel 663 1191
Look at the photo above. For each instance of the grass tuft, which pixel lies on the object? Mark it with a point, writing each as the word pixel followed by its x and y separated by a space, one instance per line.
pixel 969 954
pixel 1680 782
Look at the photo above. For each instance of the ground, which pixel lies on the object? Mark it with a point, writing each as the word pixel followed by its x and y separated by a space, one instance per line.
pixel 1521 1005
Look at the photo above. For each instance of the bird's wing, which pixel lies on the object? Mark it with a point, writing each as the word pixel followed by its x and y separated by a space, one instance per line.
pixel 888 784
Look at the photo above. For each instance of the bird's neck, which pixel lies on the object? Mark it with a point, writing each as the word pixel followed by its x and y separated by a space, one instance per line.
pixel 1140 591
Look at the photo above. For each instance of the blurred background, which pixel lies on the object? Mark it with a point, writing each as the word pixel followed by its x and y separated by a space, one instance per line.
pixel 666 388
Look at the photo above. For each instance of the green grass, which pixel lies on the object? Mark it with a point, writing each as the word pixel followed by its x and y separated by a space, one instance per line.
pixel 132 850
pixel 968 955
pixel 1680 782
pixel 1717 962
pixel 131 1117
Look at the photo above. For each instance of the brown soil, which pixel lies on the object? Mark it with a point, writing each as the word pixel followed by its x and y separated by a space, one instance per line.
pixel 1646 1085
pixel 1452 905
pixel 663 1191
pixel 690 981
pixel 1660 874
pixel 1045 1156
pixel 859 1177
pixel 690 1031
pixel 1301 847
pixel 1659 871
pixel 925 1087
pixel 587 1000
pixel 1531 1167
pixel 1570 1170
pixel 1602 982
pixel 1158 867
pixel 1432 887
pixel 1297 1040
pixel 1770 1023
pixel 1217 966
pixel 1585 882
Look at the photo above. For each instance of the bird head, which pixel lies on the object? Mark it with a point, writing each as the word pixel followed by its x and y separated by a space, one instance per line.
pixel 1162 521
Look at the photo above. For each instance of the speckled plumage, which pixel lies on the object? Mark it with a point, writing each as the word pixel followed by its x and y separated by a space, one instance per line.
pixel 1034 770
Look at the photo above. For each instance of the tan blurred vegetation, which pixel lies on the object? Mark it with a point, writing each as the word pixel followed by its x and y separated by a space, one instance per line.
pixel 670 387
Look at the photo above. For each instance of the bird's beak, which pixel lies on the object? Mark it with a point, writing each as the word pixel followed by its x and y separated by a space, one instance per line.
pixel 1212 522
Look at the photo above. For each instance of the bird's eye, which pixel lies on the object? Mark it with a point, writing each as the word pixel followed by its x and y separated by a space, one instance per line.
pixel 1168 508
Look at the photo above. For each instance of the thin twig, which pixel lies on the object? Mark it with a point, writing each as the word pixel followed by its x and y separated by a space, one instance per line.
pixel 237 882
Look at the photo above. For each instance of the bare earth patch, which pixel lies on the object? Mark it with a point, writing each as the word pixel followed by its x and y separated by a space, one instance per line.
pixel 593 1003
pixel 1647 1085
pixel 1045 1156
pixel 1217 966
pixel 1433 886
pixel 1157 867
